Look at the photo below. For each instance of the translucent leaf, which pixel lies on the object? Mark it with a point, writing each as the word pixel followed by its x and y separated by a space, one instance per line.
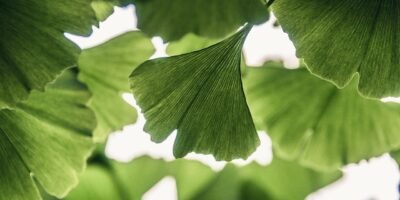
pixel 33 48
pixel 105 69
pixel 342 37
pixel 200 94
pixel 46 138
pixel 172 19
pixel 311 120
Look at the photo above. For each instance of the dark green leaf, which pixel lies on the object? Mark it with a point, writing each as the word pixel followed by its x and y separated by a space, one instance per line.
pixel 342 37
pixel 47 138
pixel 172 19
pixel 33 49
pixel 105 70
pixel 310 119
pixel 201 95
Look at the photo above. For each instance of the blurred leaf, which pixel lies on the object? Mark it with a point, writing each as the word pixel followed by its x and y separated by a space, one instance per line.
pixel 201 95
pixel 105 69
pixel 132 180
pixel 172 19
pixel 46 138
pixel 189 43
pixel 34 50
pixel 279 180
pixel 97 184
pixel 342 37
pixel 104 8
pixel 311 120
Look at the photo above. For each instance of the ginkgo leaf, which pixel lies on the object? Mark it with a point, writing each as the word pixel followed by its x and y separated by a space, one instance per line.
pixel 310 119
pixel 279 180
pixel 200 94
pixel 96 183
pixel 339 38
pixel 189 43
pixel 105 69
pixel 33 48
pixel 104 8
pixel 132 180
pixel 46 138
pixel 172 19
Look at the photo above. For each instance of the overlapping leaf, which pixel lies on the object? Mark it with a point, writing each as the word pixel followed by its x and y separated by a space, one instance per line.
pixel 47 139
pixel 199 94
pixel 339 38
pixel 280 180
pixel 310 119
pixel 105 69
pixel 189 43
pixel 172 19
pixel 33 48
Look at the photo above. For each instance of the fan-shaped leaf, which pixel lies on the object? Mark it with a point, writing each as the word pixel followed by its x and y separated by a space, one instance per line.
pixel 172 19
pixel 33 48
pixel 201 95
pixel 279 180
pixel 104 69
pixel 342 37
pixel 310 119
pixel 47 138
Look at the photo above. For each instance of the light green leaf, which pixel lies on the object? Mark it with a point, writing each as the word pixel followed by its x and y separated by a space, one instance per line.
pixel 46 138
pixel 33 48
pixel 342 37
pixel 310 119
pixel 97 184
pixel 104 8
pixel 279 180
pixel 105 70
pixel 197 181
pixel 132 180
pixel 172 19
pixel 189 43
pixel 200 94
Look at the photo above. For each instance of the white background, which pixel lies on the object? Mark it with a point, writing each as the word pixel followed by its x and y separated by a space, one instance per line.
pixel 376 179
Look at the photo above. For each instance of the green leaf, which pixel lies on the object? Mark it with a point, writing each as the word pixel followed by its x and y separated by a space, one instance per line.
pixel 132 180
pixel 279 180
pixel 104 8
pixel 33 48
pixel 172 19
pixel 339 38
pixel 189 43
pixel 313 121
pixel 200 94
pixel 105 70
pixel 97 184
pixel 46 138
pixel 197 181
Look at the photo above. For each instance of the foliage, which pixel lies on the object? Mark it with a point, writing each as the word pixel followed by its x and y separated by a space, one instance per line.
pixel 56 102
pixel 111 180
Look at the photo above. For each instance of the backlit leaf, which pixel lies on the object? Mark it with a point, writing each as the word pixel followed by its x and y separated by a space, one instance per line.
pixel 105 69
pixel 311 120
pixel 200 94
pixel 339 38
pixel 33 48
pixel 46 138
pixel 172 19
pixel 279 180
